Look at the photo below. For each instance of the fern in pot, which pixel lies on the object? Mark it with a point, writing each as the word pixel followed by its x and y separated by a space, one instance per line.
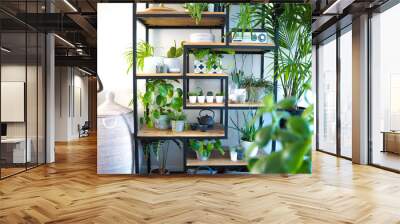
pixel 199 64
pixel 195 10
pixel 145 59
pixel 204 148
pixel 173 61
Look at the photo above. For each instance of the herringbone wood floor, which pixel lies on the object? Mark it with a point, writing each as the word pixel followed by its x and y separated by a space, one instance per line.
pixel 69 191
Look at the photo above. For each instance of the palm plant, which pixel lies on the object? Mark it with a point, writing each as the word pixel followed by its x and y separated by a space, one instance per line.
pixel 196 10
pixel 293 26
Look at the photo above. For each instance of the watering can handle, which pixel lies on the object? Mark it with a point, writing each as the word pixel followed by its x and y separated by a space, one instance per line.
pixel 213 113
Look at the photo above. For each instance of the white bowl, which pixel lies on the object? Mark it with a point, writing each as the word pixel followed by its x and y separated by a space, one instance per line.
pixel 202 37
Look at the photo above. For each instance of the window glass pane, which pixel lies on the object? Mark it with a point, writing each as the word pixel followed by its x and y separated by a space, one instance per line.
pixel 327 96
pixel 346 94
pixel 385 84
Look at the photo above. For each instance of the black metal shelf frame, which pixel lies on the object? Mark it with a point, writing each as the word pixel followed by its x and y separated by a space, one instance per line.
pixel 225 29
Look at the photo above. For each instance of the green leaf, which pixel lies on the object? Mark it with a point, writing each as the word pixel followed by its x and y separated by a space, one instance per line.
pixel 263 136
pixel 287 103
pixel 298 126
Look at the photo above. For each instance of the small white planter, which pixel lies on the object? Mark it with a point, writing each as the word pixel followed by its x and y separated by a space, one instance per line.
pixel 246 146
pixel 241 95
pixel 201 99
pixel 173 64
pixel 151 63
pixel 219 99
pixel 192 99
pixel 210 99
pixel 233 155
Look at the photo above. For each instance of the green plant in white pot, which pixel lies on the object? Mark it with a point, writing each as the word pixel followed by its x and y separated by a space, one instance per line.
pixel 178 121
pixel 200 57
pixel 201 98
pixel 145 59
pixel 193 97
pixel 219 97
pixel 257 89
pixel 247 133
pixel 204 148
pixel 210 97
pixel 173 61
pixel 214 63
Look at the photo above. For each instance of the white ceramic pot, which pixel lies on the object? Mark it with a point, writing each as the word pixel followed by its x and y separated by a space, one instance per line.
pixel 162 122
pixel 201 99
pixel 233 155
pixel 216 69
pixel 246 146
pixel 178 126
pixel 219 99
pixel 201 157
pixel 202 37
pixel 173 64
pixel 199 66
pixel 211 7
pixel 210 99
pixel 241 95
pixel 192 99
pixel 151 63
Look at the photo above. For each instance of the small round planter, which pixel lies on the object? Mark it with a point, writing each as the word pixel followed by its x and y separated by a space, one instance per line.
pixel 173 64
pixel 241 95
pixel 151 63
pixel 192 99
pixel 246 146
pixel 234 155
pixel 199 66
pixel 201 99
pixel 210 99
pixel 219 99
pixel 202 157
pixel 216 69
pixel 178 126
pixel 162 122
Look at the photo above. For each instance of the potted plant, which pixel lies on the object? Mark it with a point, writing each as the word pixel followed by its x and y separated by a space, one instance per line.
pixel 192 97
pixel 296 139
pixel 210 97
pixel 233 153
pixel 239 94
pixel 247 133
pixel 195 10
pixel 146 61
pixel 199 63
pixel 257 88
pixel 172 61
pixel 178 121
pixel 214 63
pixel 219 97
pixel 204 148
pixel 200 95
pixel 160 99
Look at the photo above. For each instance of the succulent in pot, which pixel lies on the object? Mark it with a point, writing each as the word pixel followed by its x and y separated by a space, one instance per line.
pixel 178 121
pixel 199 64
pixel 200 97
pixel 172 61
pixel 239 94
pixel 192 97
pixel 219 97
pixel 210 97
pixel 204 148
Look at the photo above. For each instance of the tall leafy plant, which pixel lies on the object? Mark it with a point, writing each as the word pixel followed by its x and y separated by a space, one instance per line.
pixel 295 138
pixel 196 10
pixel 143 50
pixel 293 26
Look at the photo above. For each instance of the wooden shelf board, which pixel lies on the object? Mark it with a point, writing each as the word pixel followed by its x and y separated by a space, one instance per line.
pixel 215 162
pixel 206 75
pixel 244 105
pixel 217 131
pixel 180 19
pixel 238 47
pixel 141 75
pixel 204 104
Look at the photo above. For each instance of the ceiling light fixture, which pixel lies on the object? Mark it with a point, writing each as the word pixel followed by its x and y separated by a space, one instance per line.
pixel 64 40
pixel 5 50
pixel 70 5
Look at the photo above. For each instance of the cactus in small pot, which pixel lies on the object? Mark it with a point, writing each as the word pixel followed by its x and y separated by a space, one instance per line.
pixel 210 97
pixel 192 97
pixel 201 98
pixel 219 97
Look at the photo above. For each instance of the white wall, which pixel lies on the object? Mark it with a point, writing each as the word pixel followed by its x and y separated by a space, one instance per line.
pixel 70 83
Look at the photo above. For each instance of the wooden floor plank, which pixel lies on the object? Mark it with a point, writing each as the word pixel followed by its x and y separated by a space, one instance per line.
pixel 70 191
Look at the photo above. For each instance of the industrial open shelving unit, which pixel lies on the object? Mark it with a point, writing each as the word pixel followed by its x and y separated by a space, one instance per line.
pixel 182 20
